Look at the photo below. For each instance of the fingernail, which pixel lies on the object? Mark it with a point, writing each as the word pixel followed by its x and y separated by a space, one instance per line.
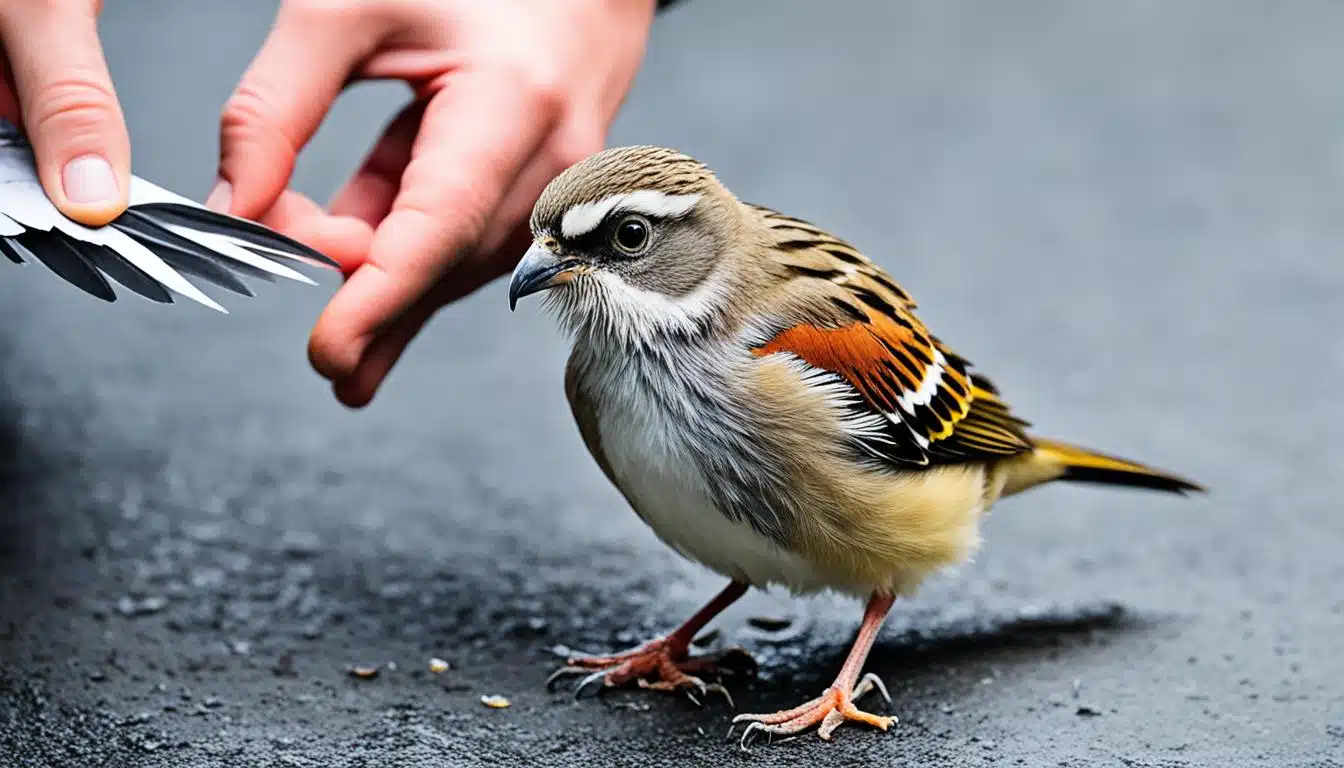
pixel 88 180
pixel 220 197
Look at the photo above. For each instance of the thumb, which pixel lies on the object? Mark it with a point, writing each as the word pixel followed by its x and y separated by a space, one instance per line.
pixel 69 107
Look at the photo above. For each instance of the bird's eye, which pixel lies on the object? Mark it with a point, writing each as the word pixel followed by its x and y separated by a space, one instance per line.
pixel 631 234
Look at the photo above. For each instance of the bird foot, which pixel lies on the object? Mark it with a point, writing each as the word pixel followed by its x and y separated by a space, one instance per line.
pixel 834 706
pixel 672 669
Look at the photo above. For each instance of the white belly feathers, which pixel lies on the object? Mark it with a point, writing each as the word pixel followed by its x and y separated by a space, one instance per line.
pixel 652 456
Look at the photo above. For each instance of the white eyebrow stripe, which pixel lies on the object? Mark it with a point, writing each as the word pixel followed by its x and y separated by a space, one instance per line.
pixel 586 217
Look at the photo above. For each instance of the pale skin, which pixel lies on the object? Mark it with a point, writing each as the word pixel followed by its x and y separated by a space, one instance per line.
pixel 502 97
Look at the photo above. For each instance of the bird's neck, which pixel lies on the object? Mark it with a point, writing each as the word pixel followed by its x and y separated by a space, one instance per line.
pixel 695 356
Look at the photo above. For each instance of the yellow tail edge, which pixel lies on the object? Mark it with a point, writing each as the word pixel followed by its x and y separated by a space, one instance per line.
pixel 1053 460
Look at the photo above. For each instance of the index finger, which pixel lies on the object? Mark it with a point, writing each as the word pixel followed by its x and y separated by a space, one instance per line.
pixel 477 135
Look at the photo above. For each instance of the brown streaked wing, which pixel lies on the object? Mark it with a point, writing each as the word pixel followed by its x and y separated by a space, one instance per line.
pixel 936 411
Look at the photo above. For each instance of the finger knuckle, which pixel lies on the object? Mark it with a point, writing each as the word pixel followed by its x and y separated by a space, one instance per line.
pixel 74 105
pixel 246 107
pixel 465 227
pixel 250 114
pixel 549 93
pixel 542 87
pixel 462 235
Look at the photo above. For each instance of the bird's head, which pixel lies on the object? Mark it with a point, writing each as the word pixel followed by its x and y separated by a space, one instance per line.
pixel 633 241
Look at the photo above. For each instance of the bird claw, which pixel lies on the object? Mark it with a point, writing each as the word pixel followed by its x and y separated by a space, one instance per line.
pixel 566 671
pixel 751 733
pixel 719 689
pixel 828 711
pixel 656 666
pixel 590 677
pixel 694 688
pixel 598 677
pixel 869 683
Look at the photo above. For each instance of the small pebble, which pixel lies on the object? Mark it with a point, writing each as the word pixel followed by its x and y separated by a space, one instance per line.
pixel 1088 712
pixel 364 673
pixel 438 666
pixel 127 606
pixel 284 665
pixel 495 702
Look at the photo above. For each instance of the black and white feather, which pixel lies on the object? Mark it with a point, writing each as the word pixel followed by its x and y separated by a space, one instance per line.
pixel 151 249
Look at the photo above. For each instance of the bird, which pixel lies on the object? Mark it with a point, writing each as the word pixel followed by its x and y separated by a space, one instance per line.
pixel 767 401
pixel 150 249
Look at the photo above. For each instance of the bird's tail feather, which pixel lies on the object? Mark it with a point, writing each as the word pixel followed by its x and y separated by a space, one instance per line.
pixel 1052 460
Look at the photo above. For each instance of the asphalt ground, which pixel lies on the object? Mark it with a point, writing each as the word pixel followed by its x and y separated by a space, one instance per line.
pixel 1127 213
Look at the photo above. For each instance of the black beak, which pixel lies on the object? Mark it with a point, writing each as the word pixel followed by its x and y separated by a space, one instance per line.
pixel 539 270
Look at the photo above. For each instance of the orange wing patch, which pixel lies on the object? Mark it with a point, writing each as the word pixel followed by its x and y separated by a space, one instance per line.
pixel 920 389
pixel 888 363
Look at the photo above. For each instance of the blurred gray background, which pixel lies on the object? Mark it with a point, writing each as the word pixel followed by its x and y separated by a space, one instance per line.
pixel 1127 213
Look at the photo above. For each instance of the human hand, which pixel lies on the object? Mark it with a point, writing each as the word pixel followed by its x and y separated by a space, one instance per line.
pixel 54 82
pixel 506 95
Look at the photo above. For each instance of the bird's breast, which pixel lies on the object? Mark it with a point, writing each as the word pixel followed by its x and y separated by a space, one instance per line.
pixel 656 436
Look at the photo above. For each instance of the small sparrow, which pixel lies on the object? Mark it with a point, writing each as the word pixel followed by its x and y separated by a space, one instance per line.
pixel 766 400
pixel 160 238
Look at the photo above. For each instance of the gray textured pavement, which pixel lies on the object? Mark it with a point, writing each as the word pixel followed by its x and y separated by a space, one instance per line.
pixel 1128 213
